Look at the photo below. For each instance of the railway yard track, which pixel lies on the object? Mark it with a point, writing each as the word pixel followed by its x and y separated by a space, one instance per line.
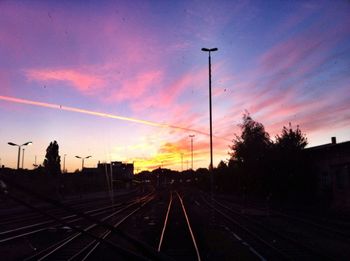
pixel 182 245
pixel 174 223
pixel 275 236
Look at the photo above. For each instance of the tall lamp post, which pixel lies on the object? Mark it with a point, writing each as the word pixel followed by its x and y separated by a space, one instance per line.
pixel 82 160
pixel 191 136
pixel 64 163
pixel 182 162
pixel 23 158
pixel 210 114
pixel 19 149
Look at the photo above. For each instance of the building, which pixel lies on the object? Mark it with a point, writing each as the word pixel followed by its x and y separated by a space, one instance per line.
pixel 331 163
pixel 120 171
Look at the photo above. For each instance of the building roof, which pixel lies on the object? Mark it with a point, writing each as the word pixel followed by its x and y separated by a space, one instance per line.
pixel 330 146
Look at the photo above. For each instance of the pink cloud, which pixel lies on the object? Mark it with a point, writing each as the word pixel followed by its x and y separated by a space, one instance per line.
pixel 297 49
pixel 135 88
pixel 83 82
pixel 166 96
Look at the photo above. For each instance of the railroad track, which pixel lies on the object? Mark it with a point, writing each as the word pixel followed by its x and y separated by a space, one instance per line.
pixel 83 242
pixel 177 238
pixel 32 228
pixel 15 219
pixel 82 223
pixel 267 243
pixel 323 226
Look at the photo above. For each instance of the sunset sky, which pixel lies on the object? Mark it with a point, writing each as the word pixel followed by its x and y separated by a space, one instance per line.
pixel 127 80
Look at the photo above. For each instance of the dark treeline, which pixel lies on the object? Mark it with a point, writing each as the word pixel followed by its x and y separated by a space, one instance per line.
pixel 259 168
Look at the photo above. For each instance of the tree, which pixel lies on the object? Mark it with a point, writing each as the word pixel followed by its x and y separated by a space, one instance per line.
pixel 52 162
pixel 253 143
pixel 250 151
pixel 222 165
pixel 291 177
pixel 291 140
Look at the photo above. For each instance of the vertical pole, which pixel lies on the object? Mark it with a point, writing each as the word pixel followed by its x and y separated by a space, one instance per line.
pixel 210 118
pixel 82 164
pixel 22 158
pixel 64 163
pixel 19 156
pixel 192 153
pixel 182 161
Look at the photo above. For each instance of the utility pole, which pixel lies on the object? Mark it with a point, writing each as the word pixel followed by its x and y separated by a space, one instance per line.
pixel 182 162
pixel 192 136
pixel 22 158
pixel 64 163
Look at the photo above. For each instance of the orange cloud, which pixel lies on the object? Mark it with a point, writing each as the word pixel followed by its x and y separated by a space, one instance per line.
pixel 177 154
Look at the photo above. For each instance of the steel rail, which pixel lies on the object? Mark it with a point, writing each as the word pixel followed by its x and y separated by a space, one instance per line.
pixel 246 230
pixel 79 233
pixel 189 227
pixel 55 247
pixel 165 221
pixel 92 213
pixel 107 233
pixel 294 242
pixel 324 227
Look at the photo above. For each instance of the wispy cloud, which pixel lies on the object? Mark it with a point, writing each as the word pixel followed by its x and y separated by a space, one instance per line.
pixel 84 82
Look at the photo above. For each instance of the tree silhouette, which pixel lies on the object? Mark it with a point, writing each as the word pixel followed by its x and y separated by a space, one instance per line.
pixel 222 165
pixel 291 140
pixel 291 177
pixel 251 150
pixel 52 162
pixel 253 143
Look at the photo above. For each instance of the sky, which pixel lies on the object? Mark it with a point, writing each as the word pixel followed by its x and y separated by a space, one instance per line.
pixel 127 80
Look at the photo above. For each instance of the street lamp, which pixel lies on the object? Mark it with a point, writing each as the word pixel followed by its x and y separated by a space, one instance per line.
pixel 19 149
pixel 23 158
pixel 210 115
pixel 64 162
pixel 191 136
pixel 182 162
pixel 82 160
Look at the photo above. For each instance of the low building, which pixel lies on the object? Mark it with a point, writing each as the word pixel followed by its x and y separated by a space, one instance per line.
pixel 331 162
pixel 120 171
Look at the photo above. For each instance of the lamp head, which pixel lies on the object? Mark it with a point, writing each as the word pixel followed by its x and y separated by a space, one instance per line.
pixel 78 157
pixel 209 49
pixel 12 144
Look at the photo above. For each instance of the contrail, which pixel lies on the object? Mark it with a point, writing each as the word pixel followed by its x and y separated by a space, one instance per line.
pixel 100 114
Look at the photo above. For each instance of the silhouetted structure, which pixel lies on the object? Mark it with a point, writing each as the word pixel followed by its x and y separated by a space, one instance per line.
pixel 331 163
pixel 120 171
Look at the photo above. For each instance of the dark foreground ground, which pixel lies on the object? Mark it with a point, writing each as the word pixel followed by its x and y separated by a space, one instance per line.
pixel 222 228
